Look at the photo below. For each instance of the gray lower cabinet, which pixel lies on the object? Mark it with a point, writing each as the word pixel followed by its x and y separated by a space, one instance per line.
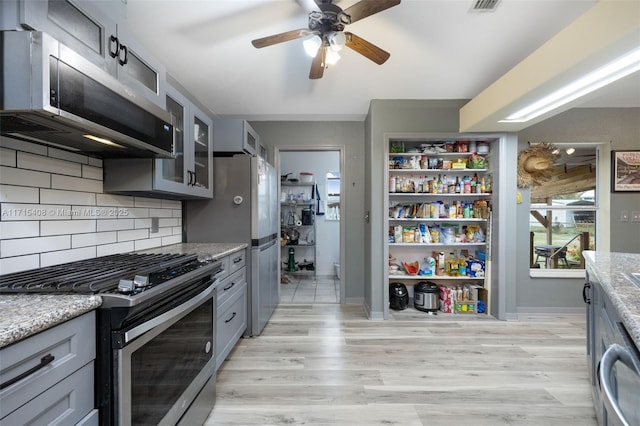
pixel 605 329
pixel 231 321
pixel 48 378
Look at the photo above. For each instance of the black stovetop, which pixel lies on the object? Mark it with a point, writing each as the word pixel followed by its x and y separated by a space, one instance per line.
pixel 100 275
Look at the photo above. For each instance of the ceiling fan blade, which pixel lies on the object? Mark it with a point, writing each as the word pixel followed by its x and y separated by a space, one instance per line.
pixel 366 49
pixel 281 38
pixel 317 66
pixel 366 8
pixel 308 5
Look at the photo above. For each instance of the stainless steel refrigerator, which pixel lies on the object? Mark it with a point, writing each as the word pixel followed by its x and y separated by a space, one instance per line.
pixel 244 210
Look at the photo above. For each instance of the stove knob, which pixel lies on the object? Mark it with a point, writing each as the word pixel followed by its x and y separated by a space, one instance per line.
pixel 141 281
pixel 125 286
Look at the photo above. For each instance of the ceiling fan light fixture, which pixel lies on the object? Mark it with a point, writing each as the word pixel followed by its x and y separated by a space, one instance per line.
pixel 312 44
pixel 337 40
pixel 332 57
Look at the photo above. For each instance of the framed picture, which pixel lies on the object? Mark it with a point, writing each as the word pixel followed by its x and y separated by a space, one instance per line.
pixel 625 168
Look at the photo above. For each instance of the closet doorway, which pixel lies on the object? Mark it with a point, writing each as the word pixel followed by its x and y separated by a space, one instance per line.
pixel 311 257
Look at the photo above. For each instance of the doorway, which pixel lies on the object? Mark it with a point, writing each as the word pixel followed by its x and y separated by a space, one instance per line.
pixel 311 254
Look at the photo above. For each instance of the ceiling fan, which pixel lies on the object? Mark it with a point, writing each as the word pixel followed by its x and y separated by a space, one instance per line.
pixel 326 33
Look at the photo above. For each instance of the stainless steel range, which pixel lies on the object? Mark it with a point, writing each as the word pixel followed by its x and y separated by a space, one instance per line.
pixel 155 332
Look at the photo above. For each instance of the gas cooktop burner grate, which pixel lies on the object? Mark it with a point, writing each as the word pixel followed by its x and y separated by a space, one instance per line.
pixel 90 276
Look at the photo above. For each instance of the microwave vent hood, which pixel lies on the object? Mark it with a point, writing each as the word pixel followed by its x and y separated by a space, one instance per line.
pixel 51 95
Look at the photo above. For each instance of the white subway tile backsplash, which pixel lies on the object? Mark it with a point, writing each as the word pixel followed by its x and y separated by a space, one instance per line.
pixel 68 155
pixel 19 194
pixel 99 238
pixel 17 212
pixel 142 223
pixel 21 145
pixel 134 234
pixel 108 249
pixel 160 212
pixel 114 200
pixel 63 256
pixel 174 239
pixel 14 176
pixel 20 246
pixel 91 172
pixel 9 230
pixel 147 244
pixel 7 157
pixel 97 162
pixel 60 227
pixel 163 232
pixel 51 196
pixel 9 265
pixel 168 222
pixel 171 204
pixel 75 183
pixel 54 210
pixel 114 224
pixel 136 213
pixel 147 202
pixel 39 163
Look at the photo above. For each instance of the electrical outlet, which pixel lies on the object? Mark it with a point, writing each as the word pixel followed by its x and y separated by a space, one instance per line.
pixel 635 216
pixel 624 216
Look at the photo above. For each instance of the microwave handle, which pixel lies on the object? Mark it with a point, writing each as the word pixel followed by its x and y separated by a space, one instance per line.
pixel 613 354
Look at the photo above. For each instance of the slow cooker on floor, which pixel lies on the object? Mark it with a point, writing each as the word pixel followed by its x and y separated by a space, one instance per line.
pixel 426 296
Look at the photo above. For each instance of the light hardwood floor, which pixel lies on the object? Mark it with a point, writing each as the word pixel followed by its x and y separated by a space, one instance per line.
pixel 326 364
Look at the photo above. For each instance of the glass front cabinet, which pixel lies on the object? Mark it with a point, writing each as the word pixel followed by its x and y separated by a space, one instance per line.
pixel 190 172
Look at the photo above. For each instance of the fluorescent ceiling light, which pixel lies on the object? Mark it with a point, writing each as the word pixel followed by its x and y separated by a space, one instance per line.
pixel 602 76
pixel 103 140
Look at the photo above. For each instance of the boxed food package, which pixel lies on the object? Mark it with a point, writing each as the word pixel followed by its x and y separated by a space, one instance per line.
pixel 446 299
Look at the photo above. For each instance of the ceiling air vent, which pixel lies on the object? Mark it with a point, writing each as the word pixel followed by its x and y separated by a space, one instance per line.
pixel 484 5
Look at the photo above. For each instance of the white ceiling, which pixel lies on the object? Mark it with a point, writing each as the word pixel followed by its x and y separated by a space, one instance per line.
pixel 440 49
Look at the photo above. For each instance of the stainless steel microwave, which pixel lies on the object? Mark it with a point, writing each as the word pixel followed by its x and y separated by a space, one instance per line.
pixel 52 95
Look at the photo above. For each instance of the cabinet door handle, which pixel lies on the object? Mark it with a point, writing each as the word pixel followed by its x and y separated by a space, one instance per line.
pixel 44 361
pixel 230 319
pixel 114 46
pixel 123 60
pixel 229 287
pixel 585 289
pixel 238 260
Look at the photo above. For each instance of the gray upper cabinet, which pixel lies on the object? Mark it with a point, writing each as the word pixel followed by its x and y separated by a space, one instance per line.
pixel 235 135
pixel 91 28
pixel 188 175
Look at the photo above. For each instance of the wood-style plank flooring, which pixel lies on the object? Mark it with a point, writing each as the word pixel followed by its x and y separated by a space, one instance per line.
pixel 326 364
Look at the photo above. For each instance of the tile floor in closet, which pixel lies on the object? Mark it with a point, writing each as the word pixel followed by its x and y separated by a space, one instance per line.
pixel 325 289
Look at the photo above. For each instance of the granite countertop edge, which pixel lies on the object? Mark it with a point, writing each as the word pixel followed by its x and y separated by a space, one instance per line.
pixel 608 268
pixel 23 315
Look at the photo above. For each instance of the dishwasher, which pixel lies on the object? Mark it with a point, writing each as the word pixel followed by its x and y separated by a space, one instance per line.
pixel 620 382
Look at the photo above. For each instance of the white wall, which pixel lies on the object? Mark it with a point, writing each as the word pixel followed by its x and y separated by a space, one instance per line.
pixel 54 210
pixel 327 232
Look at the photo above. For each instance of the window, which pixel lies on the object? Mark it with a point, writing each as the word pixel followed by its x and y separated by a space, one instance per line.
pixel 564 210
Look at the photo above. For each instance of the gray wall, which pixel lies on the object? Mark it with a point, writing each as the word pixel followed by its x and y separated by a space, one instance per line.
pixel 621 126
pixel 347 134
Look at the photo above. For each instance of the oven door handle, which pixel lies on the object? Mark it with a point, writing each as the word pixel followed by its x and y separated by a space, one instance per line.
pixel 613 354
pixel 175 313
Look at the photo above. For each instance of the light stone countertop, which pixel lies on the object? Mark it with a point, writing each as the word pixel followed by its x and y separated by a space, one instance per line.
pixel 215 250
pixel 23 315
pixel 608 268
